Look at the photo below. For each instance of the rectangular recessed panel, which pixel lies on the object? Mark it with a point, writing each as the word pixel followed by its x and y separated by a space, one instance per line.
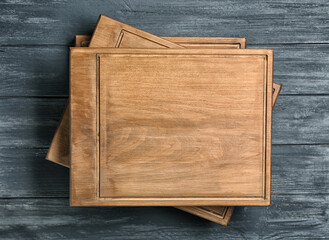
pixel 188 119
pixel 150 139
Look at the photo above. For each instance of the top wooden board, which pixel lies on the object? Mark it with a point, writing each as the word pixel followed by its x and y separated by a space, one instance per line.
pixel 170 127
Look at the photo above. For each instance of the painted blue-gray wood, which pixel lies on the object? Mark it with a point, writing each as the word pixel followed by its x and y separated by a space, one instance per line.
pixel 54 22
pixel 290 216
pixel 35 37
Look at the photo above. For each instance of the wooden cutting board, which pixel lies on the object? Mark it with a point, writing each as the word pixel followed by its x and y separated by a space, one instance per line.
pixel 140 137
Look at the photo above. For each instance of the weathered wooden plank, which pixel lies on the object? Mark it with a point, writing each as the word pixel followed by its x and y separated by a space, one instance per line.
pixel 25 173
pixel 43 71
pixel 291 216
pixel 31 122
pixel 301 69
pixel 299 169
pixel 54 22
pixel 301 120
pixel 34 71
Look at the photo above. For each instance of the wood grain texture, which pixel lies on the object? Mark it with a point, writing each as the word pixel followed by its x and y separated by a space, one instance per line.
pixel 261 22
pixel 291 217
pixel 29 122
pixel 34 75
pixel 30 175
pixel 84 126
pixel 31 104
pixel 305 123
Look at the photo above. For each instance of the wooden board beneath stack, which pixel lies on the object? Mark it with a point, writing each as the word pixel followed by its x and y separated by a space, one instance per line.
pixel 218 214
pixel 115 34
pixel 149 139
pixel 276 91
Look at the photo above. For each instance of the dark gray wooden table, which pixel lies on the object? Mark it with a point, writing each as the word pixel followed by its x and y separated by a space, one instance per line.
pixel 34 41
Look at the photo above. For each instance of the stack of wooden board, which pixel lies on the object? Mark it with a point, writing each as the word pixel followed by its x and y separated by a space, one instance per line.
pixel 171 121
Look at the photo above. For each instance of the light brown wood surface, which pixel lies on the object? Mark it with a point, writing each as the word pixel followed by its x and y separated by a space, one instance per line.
pixel 152 153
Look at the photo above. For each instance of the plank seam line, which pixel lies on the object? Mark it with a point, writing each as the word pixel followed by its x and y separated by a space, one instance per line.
pixel 67 197
pixel 250 44
pixel 273 144
pixel 66 96
pixel 34 97
pixel 286 44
